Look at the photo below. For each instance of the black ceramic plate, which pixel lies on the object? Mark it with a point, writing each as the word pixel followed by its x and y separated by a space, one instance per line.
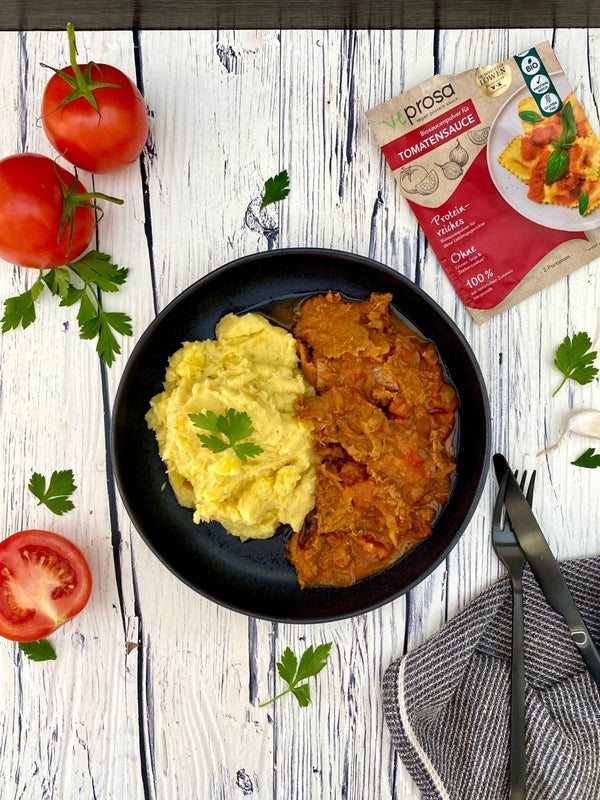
pixel 254 577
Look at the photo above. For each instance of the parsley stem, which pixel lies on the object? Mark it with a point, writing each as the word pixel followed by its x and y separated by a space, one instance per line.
pixel 277 696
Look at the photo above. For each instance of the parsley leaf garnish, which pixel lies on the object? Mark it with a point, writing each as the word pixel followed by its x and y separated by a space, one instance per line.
pixel 276 189
pixel 235 426
pixel 40 650
pixel 590 459
pixel 293 673
pixel 575 358
pixel 78 282
pixel 56 496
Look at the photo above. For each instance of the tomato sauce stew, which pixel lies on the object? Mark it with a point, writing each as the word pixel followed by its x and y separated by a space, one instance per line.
pixel 383 420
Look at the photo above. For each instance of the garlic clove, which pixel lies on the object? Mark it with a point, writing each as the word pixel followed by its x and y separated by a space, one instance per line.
pixel 583 423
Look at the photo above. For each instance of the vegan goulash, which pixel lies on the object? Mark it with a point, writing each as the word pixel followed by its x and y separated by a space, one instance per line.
pixel 383 419
pixel 354 419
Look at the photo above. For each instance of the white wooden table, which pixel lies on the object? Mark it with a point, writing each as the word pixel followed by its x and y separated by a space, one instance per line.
pixel 155 690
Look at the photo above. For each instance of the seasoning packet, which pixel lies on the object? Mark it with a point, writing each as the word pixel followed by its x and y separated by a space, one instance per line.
pixel 501 167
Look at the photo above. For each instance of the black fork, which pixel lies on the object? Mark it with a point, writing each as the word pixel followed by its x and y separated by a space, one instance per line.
pixel 509 552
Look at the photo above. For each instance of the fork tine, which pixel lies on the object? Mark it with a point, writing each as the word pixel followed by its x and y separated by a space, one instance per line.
pixel 530 488
pixel 498 512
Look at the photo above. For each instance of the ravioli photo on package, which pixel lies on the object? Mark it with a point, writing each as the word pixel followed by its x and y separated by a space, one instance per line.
pixel 501 167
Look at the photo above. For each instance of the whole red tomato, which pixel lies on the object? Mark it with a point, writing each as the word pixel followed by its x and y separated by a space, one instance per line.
pixel 46 215
pixel 45 581
pixel 94 115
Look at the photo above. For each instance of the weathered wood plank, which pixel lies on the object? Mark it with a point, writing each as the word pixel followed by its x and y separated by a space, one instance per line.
pixel 79 713
pixel 214 143
pixel 275 14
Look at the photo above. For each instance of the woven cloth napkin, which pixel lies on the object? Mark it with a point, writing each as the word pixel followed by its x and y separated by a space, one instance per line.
pixel 447 703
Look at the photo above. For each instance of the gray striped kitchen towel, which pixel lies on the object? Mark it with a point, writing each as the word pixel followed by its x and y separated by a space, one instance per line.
pixel 447 702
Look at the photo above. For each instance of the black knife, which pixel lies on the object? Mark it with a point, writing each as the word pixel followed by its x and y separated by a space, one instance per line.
pixel 547 572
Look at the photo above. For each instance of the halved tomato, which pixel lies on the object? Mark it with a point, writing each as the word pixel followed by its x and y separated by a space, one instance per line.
pixel 44 582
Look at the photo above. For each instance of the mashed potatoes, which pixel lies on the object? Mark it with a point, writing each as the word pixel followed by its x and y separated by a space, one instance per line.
pixel 251 367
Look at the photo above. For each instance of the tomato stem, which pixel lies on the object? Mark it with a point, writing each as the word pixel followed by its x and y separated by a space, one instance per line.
pixel 73 199
pixel 72 48
pixel 81 82
pixel 75 66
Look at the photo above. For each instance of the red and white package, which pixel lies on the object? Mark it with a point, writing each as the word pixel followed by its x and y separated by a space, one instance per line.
pixel 501 167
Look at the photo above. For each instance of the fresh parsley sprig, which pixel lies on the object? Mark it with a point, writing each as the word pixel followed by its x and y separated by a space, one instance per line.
pixel 276 189
pixel 78 282
pixel 56 496
pixel 589 459
pixel 575 359
pixel 293 673
pixel 234 425
pixel 40 650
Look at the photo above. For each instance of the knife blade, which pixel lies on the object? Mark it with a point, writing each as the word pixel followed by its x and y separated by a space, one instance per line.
pixel 547 572
pixel 500 466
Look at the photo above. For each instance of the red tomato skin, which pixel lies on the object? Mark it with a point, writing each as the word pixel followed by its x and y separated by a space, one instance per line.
pixel 106 142
pixel 31 204
pixel 17 553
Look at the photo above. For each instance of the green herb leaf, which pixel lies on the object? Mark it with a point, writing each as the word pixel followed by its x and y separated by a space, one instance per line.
pixel 40 650
pixel 302 694
pixel 530 116
pixel 57 280
pixel 19 311
pixel 234 425
pixel 96 272
pixel 96 268
pixel 557 165
pixel 583 202
pixel 207 421
pixel 247 450
pixel 293 673
pixel 590 459
pixel 108 322
pixel 287 666
pixel 276 189
pixel 575 358
pixel 569 126
pixel 56 496
pixel 78 282
pixel 214 443
pixel 312 661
